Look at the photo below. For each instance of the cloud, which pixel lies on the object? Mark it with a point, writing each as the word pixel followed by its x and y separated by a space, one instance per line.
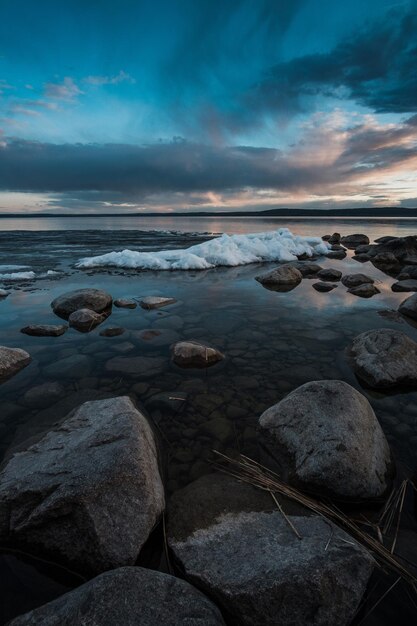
pixel 121 77
pixel 22 110
pixel 67 90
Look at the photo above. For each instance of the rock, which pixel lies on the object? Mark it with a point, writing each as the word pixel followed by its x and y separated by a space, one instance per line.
pixel 352 241
pixel 408 271
pixel 385 239
pixel 364 249
pixel 361 258
pixel 400 247
pixel 253 564
pixel 385 358
pixel 146 366
pixel 157 336
pixel 367 290
pixel 324 437
pixel 155 302
pixel 112 331
pixel 43 395
pixel 329 274
pixel 286 275
pixel 89 492
pixel 219 428
pixel 409 307
pixel 410 260
pixel 335 238
pixel 74 366
pixel 127 596
pixel 125 303
pixel 45 330
pixel 168 402
pixel 12 360
pixel 307 269
pixel 85 320
pixel 194 354
pixel 405 285
pixel 354 280
pixel 336 254
pixel 4 293
pixel 323 287
pixel 326 237
pixel 94 299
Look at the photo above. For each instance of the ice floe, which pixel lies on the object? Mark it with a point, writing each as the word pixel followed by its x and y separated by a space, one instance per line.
pixel 228 250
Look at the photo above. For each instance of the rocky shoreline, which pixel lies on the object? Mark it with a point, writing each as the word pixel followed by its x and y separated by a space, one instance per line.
pixel 90 493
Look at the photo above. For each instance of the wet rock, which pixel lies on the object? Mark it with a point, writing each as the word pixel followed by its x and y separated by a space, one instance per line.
pixel 336 254
pixel 361 258
pixel 385 239
pixel 354 280
pixel 127 596
pixel 283 275
pixel 410 260
pixel 249 559
pixel 157 336
pixel 96 300
pixel 4 293
pixel 329 274
pixel 323 287
pixel 385 358
pixel 44 330
pixel 155 302
pixel 112 331
pixel 307 269
pixel 194 354
pixel 367 290
pixel 408 271
pixel 125 303
pixel 400 247
pixel 89 492
pixel 409 307
pixel 335 238
pixel 405 285
pixel 85 320
pixel 12 360
pixel 146 366
pixel 43 395
pixel 219 428
pixel 74 366
pixel 364 249
pixel 168 402
pixel 352 241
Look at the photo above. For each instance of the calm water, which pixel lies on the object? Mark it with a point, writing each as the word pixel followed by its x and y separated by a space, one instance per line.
pixel 274 342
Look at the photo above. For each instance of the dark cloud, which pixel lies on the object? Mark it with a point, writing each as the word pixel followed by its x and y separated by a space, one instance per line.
pixel 376 67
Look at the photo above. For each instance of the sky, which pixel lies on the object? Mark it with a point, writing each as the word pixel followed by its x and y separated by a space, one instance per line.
pixel 174 105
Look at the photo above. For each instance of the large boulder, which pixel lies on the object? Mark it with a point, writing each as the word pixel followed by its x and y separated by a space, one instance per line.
pixel 231 542
pixel 405 285
pixel 385 358
pixel 308 269
pixel 354 280
pixel 94 299
pixel 45 330
pixel 407 272
pixel 127 596
pixel 329 274
pixel 367 290
pixel 88 493
pixel 285 275
pixel 195 354
pixel 353 241
pixel 324 437
pixel 85 320
pixel 324 287
pixel 12 360
pixel 155 302
pixel 409 307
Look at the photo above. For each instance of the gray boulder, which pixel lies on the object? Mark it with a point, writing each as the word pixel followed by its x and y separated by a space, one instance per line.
pixel 367 290
pixel 155 302
pixel 409 307
pixel 125 303
pixel 127 596
pixel 88 493
pixel 283 275
pixel 405 285
pixel 250 562
pixel 94 299
pixel 325 438
pixel 353 241
pixel 194 354
pixel 12 360
pixel 85 320
pixel 385 358
pixel 354 280
pixel 329 274
pixel 324 287
pixel 44 330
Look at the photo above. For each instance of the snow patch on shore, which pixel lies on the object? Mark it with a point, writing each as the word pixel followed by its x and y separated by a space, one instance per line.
pixel 18 276
pixel 228 250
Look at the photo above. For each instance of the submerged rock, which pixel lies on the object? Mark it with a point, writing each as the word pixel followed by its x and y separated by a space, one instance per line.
pixel 43 395
pixel 125 303
pixel 353 241
pixel 323 287
pixel 194 354
pixel 325 438
pixel 12 360
pixel 354 280
pixel 89 492
pixel 367 290
pixel 45 330
pixel 232 542
pixel 385 358
pixel 85 320
pixel 96 300
pixel 146 366
pixel 405 285
pixel 4 293
pixel 155 302
pixel 112 331
pixel 409 307
pixel 283 275
pixel 127 596
pixel 329 274
pixel 73 366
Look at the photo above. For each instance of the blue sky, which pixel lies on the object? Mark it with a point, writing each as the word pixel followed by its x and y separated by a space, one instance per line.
pixel 175 104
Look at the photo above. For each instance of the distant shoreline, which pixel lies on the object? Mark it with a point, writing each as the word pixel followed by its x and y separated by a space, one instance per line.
pixel 383 212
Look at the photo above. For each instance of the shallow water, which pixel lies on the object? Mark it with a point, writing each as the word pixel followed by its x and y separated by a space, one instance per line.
pixel 273 343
